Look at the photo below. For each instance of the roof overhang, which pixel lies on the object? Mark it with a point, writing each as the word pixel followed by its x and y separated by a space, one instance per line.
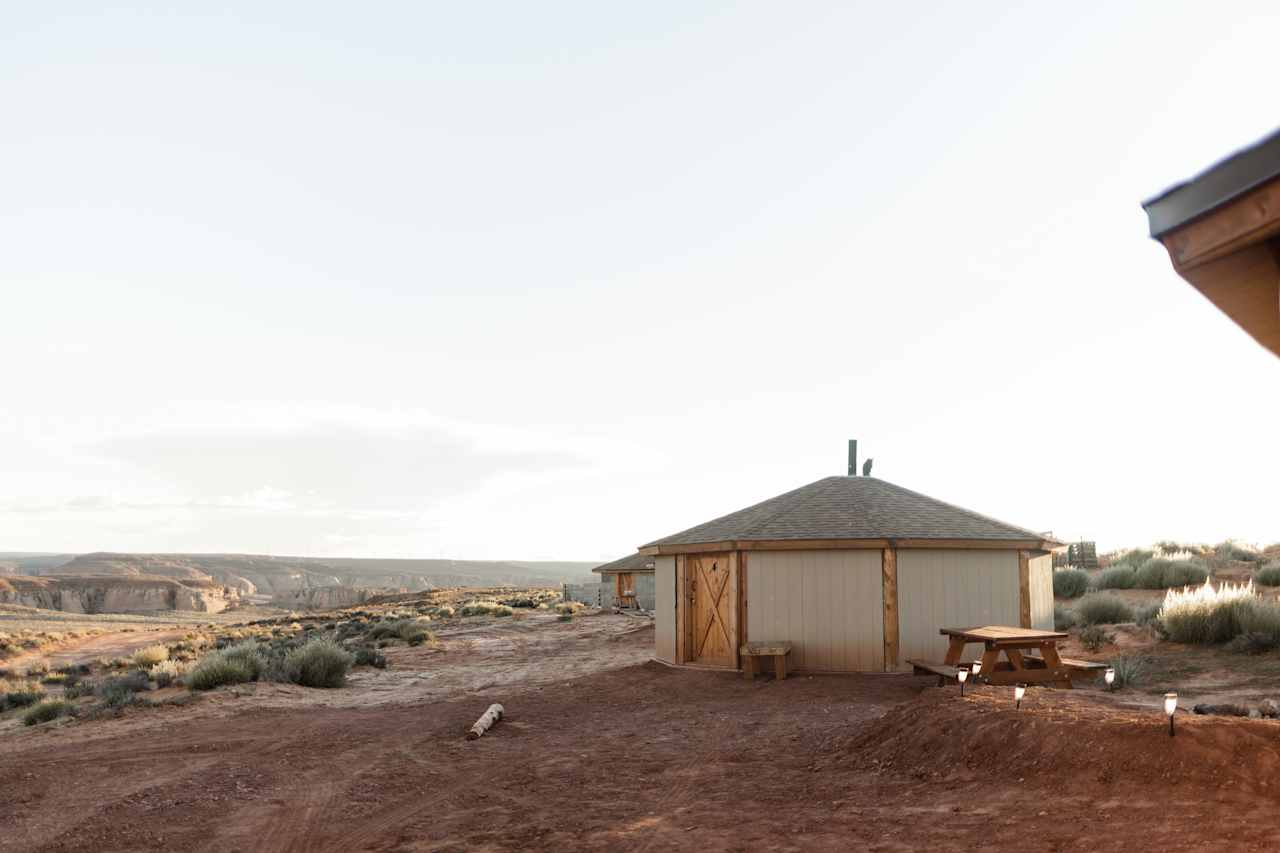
pixel 1222 232
pixel 1041 545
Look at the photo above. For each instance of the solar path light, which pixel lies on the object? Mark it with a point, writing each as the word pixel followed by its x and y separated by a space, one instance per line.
pixel 962 675
pixel 1170 705
pixel 1110 677
pixel 1019 690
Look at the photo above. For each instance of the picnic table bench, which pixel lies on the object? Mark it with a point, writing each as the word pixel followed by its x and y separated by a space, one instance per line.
pixel 777 651
pixel 1030 656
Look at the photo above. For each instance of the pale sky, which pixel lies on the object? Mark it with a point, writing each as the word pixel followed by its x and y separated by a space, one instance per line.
pixel 548 281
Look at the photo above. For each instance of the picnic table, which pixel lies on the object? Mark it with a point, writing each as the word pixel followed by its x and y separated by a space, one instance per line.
pixel 1030 656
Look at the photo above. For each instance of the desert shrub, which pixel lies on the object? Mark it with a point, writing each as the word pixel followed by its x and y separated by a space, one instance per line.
pixel 1169 546
pixel 570 607
pixel 1133 558
pixel 24 695
pixel 1268 575
pixel 1130 670
pixel 150 656
pixel 233 665
pixel 485 608
pixel 1146 615
pixel 1231 550
pixel 1208 615
pixel 54 678
pixel 118 692
pixel 320 663
pixel 37 669
pixel 411 631
pixel 1162 573
pixel 1251 643
pixel 1070 583
pixel 1116 577
pixel 444 613
pixel 46 711
pixel 1063 618
pixel 166 672
pixel 80 688
pixel 1094 637
pixel 1185 573
pixel 1102 609
pixel 369 656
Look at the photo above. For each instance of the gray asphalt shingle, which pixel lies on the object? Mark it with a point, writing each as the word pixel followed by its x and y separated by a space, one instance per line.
pixel 849 508
pixel 629 563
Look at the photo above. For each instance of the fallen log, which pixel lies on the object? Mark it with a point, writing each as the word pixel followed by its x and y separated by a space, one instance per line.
pixel 486 721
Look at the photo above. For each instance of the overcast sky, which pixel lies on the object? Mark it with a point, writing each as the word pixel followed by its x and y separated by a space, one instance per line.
pixel 552 280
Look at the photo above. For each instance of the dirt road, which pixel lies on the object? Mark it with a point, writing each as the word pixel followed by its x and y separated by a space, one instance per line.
pixel 115 644
pixel 638 757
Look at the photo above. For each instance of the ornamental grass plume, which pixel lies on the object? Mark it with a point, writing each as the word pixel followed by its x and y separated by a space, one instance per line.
pixel 1207 615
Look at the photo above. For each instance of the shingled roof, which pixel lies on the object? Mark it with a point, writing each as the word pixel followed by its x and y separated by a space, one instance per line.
pixel 629 563
pixel 849 508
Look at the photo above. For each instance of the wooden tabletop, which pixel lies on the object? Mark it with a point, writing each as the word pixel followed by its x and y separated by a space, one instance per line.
pixel 1003 633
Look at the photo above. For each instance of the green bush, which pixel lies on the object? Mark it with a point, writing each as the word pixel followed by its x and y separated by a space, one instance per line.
pixel 1133 558
pixel 80 688
pixel 1094 637
pixel 1070 583
pixel 1063 618
pixel 24 696
pixel 233 665
pixel 117 692
pixel 1130 670
pixel 411 631
pixel 46 711
pixel 320 663
pixel 1100 609
pixel 1268 575
pixel 1116 577
pixel 1161 573
pixel 1147 615
pixel 368 656
pixel 1230 550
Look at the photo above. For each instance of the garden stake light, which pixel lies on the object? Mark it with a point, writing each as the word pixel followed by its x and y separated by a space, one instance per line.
pixel 975 669
pixel 1110 677
pixel 1019 691
pixel 961 674
pixel 1170 705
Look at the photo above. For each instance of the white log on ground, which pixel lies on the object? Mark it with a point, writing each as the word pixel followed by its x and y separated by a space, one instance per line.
pixel 486 721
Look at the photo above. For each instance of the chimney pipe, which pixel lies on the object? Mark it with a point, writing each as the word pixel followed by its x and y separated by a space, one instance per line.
pixel 853 457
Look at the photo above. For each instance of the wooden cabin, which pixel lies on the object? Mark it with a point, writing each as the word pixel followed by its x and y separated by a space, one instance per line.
pixel 856 573
pixel 629 581
pixel 1222 231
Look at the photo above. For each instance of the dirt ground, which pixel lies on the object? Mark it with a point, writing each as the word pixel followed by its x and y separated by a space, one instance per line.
pixel 602 750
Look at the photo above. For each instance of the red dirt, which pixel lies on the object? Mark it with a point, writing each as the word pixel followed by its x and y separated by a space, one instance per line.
pixel 648 758
pixel 85 649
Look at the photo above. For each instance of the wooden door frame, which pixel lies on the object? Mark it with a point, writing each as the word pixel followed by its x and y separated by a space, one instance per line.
pixel 684 620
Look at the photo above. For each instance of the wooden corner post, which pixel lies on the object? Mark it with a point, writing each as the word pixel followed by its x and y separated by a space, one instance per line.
pixel 889 580
pixel 1024 589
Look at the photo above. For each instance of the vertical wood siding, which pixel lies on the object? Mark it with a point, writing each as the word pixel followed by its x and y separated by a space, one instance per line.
pixel 952 589
pixel 827 604
pixel 664 608
pixel 1042 592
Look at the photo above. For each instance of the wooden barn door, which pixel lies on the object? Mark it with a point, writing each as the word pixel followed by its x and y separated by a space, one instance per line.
pixel 625 590
pixel 713 609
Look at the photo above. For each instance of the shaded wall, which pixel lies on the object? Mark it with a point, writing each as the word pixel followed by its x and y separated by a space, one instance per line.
pixel 827 604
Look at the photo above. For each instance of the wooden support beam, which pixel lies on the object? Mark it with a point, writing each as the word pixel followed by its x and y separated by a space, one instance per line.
pixel 743 637
pixel 889 591
pixel 1024 589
